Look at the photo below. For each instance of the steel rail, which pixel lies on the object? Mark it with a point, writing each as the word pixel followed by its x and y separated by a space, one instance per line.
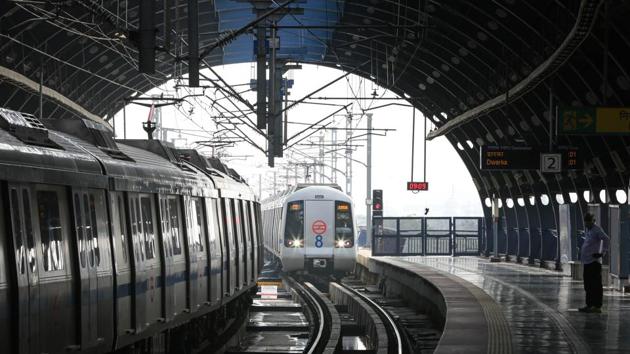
pixel 392 328
pixel 322 334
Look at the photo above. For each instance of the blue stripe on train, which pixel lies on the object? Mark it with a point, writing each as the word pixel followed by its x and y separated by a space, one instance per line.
pixel 124 290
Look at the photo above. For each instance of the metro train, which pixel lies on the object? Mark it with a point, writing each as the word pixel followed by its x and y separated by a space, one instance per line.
pixel 310 228
pixel 118 245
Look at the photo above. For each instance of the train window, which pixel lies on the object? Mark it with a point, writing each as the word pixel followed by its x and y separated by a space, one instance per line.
pixel 50 230
pixel 134 226
pixel 212 227
pixel 121 227
pixel 20 252
pixel 197 234
pixel 227 221
pixel 135 229
pixel 237 221
pixel 94 241
pixel 219 217
pixel 89 231
pixel 294 228
pixel 173 211
pixel 344 234
pixel 140 234
pixel 166 227
pixel 80 230
pixel 28 228
pixel 149 233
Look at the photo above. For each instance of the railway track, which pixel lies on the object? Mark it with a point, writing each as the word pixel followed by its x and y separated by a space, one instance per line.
pixel 395 343
pixel 344 318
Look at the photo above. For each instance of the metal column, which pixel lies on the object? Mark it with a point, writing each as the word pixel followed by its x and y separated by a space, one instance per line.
pixel 368 188
pixel 348 155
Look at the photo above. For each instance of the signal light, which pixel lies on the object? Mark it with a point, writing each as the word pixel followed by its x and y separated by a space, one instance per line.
pixel 377 199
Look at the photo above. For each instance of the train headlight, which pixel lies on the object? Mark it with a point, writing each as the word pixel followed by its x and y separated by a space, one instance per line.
pixel 294 242
pixel 343 243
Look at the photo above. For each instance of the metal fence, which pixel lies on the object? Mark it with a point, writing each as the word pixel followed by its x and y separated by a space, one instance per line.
pixel 424 236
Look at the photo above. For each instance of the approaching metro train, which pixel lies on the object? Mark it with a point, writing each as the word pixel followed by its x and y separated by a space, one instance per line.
pixel 130 246
pixel 311 228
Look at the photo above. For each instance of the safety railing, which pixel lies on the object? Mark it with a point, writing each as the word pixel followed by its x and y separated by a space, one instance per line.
pixel 415 236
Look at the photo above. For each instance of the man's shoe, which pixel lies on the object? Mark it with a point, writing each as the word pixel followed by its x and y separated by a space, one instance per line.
pixel 590 309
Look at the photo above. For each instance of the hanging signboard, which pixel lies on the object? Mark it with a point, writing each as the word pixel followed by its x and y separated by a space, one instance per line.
pixel 524 158
pixel 594 120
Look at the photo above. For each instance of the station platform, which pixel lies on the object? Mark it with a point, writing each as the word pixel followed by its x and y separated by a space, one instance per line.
pixel 538 305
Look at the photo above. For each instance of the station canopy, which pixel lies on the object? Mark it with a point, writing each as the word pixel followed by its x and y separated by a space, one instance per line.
pixel 484 72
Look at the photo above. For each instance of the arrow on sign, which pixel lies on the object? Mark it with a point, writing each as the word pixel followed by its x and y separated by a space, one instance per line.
pixel 586 120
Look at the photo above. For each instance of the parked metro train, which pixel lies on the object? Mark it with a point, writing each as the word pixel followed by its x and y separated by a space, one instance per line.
pixel 117 245
pixel 311 228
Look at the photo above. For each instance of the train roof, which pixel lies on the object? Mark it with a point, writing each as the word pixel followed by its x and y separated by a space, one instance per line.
pixel 62 148
pixel 305 191
pixel 27 148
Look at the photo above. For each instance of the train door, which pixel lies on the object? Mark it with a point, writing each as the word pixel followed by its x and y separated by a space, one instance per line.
pixel 230 247
pixel 237 221
pixel 319 227
pixel 139 278
pixel 247 234
pixel 6 332
pixel 88 286
pixel 27 268
pixel 167 255
pixel 120 241
pixel 259 233
pixel 102 266
pixel 196 246
pixel 153 261
pixel 215 256
pixel 177 277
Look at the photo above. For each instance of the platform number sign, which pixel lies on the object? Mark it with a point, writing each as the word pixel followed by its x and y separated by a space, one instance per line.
pixel 550 163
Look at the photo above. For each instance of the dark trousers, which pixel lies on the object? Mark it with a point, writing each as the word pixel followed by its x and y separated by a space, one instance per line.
pixel 593 284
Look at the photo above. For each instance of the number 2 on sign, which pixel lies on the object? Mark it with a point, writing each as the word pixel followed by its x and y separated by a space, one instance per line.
pixel 318 241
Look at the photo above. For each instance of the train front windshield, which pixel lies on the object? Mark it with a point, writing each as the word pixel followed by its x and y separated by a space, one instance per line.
pixel 344 231
pixel 294 228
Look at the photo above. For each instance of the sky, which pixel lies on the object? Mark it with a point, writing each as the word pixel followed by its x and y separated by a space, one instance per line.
pixel 451 190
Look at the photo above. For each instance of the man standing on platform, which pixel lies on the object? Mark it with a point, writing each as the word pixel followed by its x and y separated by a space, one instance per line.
pixel 593 249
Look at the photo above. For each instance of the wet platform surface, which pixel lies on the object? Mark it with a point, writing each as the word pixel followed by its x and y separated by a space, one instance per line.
pixel 541 306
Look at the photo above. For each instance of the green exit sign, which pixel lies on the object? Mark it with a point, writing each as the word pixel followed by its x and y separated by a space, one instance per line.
pixel 594 120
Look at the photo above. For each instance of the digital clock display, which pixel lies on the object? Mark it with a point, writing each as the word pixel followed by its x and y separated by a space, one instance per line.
pixel 417 186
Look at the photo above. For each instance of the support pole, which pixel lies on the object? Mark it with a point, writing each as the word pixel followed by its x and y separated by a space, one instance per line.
pixel 286 112
pixel 413 139
pixel 321 158
pixel 193 43
pixel 368 188
pixel 41 94
pixel 495 230
pixel 271 122
pixel 125 122
pixel 424 150
pixel 348 154
pixel 550 118
pixel 261 76
pixel 334 155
